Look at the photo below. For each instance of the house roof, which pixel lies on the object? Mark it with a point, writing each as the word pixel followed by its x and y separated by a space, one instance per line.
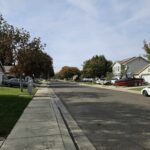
pixel 128 60
pixel 145 67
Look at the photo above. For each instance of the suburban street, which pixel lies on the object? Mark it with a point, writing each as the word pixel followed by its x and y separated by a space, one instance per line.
pixel 112 120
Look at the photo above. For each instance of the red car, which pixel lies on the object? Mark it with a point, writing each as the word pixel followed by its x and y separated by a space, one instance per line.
pixel 129 82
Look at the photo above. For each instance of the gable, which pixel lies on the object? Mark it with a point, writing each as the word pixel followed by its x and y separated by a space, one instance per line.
pixel 137 65
pixel 116 68
pixel 144 70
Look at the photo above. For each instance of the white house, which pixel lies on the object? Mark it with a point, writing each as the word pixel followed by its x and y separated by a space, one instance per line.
pixel 1 73
pixel 131 66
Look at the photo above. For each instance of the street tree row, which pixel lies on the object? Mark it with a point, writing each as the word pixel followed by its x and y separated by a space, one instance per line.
pixel 98 66
pixel 25 54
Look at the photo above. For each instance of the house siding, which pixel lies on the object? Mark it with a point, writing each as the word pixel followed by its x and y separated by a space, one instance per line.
pixel 117 69
pixel 136 65
pixel 146 71
pixel 145 74
pixel 133 66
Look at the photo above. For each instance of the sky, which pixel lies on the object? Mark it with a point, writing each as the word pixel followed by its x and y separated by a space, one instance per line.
pixel 76 30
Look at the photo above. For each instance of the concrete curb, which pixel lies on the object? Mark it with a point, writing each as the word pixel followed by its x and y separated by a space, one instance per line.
pixel 121 89
pixel 1 141
pixel 81 140
pixel 40 127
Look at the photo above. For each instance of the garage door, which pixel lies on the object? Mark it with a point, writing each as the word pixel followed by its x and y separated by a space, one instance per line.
pixel 146 78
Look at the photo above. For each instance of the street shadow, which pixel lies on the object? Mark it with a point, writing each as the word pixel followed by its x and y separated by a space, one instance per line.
pixel 114 126
pixel 81 95
pixel 109 125
pixel 63 85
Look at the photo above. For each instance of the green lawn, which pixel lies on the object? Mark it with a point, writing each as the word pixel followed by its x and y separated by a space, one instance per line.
pixel 12 104
pixel 136 89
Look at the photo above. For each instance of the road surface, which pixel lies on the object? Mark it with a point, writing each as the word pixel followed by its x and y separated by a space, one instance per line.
pixel 112 120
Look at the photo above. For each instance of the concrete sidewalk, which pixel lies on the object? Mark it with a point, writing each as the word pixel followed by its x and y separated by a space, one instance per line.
pixel 40 127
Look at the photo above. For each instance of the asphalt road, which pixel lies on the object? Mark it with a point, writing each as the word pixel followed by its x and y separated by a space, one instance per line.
pixel 111 120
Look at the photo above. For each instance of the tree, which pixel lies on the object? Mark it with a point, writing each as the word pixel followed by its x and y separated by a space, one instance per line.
pixel 12 40
pixel 31 60
pixel 68 72
pixel 97 66
pixel 147 49
pixel 6 42
pixel 27 56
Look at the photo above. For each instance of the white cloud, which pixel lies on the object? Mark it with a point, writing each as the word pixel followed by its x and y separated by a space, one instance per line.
pixel 13 7
pixel 87 6
pixel 137 13
pixel 75 30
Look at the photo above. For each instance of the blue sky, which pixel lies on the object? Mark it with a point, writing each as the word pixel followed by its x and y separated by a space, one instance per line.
pixel 76 30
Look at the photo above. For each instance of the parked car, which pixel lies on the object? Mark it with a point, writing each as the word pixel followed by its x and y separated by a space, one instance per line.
pixel 14 82
pixel 129 82
pixel 145 91
pixel 113 80
pixel 87 80
pixel 102 82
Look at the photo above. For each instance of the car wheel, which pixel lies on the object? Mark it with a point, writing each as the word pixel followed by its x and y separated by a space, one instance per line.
pixel 145 93
pixel 140 84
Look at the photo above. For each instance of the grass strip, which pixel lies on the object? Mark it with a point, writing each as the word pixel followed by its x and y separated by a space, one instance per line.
pixel 12 104
pixel 136 89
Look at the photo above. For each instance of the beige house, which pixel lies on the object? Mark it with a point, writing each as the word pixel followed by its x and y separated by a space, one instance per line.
pixel 144 73
pixel 7 71
pixel 2 73
pixel 131 66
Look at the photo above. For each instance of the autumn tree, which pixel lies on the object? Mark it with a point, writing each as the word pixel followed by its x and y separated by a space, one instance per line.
pixel 27 56
pixel 6 42
pixel 32 60
pixel 97 66
pixel 12 40
pixel 68 72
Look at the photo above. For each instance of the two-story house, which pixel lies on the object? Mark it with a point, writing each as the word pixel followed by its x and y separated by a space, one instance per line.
pixel 129 66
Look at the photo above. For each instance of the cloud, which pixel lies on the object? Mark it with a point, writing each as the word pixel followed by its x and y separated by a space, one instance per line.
pixel 14 7
pixel 136 14
pixel 87 6
pixel 75 30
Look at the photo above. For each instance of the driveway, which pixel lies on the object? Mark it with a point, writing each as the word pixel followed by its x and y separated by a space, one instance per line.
pixel 112 120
